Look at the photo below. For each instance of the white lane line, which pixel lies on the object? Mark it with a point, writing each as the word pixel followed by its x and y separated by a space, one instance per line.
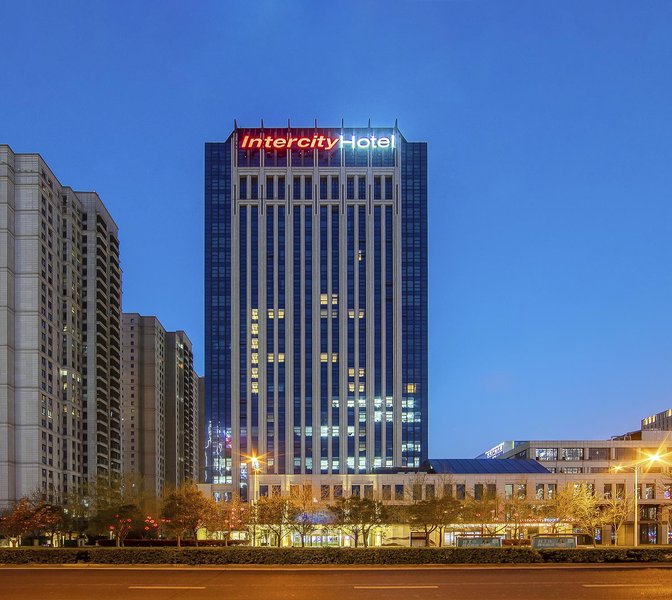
pixel 611 585
pixel 395 587
pixel 166 587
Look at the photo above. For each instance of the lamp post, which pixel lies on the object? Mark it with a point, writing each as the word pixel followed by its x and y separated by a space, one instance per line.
pixel 635 468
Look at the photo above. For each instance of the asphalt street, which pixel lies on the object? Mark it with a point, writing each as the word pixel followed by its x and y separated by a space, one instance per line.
pixel 326 583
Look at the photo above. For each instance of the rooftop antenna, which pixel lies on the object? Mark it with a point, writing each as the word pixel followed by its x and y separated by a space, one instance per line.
pixel 289 125
pixel 369 122
pixel 342 123
pixel 315 122
pixel 262 122
pixel 395 124
pixel 235 124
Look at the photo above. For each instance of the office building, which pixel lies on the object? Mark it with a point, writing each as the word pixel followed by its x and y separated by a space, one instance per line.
pixel 60 297
pixel 160 404
pixel 661 421
pixel 315 302
pixel 586 456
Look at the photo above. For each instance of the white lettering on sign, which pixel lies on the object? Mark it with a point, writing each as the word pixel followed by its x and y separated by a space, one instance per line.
pixel 317 142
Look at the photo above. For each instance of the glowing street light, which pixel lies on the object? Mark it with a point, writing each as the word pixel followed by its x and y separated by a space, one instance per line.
pixel 635 468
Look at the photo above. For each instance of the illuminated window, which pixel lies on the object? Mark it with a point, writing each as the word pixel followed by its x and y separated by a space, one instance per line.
pixel 410 388
pixel 271 313
pixel 271 357
pixel 324 357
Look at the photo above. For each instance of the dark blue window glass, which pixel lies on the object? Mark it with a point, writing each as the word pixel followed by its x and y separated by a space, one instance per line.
pixel 217 434
pixel 361 187
pixel 376 187
pixel 414 301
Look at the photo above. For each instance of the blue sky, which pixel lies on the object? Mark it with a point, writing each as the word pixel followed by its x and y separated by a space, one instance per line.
pixel 550 141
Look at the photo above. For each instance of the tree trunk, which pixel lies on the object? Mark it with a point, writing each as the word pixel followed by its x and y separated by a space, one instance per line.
pixel 179 540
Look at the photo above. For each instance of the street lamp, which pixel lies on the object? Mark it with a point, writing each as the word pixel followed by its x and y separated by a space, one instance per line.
pixel 635 468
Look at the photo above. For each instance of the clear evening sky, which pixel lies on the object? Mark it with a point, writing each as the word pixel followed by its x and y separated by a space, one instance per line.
pixel 550 172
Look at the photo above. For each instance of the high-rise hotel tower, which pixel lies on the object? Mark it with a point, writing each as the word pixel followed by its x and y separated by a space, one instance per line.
pixel 315 302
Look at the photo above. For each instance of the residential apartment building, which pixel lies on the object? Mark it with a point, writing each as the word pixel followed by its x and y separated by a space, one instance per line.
pixel 181 410
pixel 315 302
pixel 160 404
pixel 60 299
pixel 144 400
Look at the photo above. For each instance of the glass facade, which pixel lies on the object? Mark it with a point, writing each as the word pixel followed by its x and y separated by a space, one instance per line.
pixel 316 305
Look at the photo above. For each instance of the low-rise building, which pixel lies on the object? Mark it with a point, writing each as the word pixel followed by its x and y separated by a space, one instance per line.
pixel 525 480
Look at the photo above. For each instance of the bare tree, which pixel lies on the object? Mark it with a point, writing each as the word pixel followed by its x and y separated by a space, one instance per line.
pixel 356 517
pixel 186 509
pixel 227 517
pixel 518 510
pixel 616 512
pixel 275 513
pixel 18 520
pixel 303 512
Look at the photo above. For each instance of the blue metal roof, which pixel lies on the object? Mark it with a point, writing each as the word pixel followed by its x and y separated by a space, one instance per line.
pixel 464 466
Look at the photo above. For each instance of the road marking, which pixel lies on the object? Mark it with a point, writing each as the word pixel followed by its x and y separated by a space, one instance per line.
pixel 395 587
pixel 166 587
pixel 610 585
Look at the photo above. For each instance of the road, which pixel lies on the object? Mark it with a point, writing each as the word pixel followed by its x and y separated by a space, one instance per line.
pixel 336 583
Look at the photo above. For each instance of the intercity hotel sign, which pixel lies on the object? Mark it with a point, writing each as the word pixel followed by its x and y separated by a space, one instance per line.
pixel 317 141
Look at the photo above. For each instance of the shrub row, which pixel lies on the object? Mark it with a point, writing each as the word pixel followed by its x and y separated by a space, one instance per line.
pixel 332 556
pixel 130 542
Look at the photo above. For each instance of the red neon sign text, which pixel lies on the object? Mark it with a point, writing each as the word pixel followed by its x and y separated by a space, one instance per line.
pixel 269 142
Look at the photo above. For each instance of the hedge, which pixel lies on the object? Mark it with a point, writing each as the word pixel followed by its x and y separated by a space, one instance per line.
pixel 328 556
